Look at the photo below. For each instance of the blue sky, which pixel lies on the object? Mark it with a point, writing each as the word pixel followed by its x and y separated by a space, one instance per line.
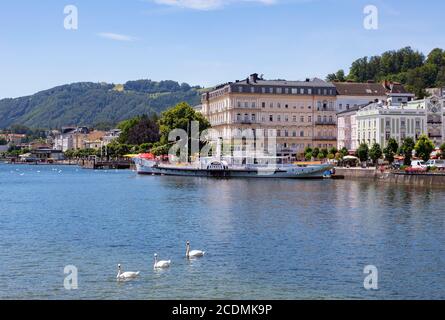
pixel 201 42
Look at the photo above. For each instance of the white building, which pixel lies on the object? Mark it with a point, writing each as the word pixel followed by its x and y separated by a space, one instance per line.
pixel 378 122
pixel 347 129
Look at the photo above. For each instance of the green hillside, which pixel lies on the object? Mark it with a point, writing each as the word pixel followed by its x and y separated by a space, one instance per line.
pixel 90 104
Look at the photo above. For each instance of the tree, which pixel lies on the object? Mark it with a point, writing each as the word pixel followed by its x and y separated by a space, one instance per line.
pixel 333 150
pixel 338 76
pixel 375 153
pixel 442 150
pixel 307 150
pixel 344 152
pixel 308 156
pixel 391 150
pixel 424 147
pixel 3 141
pixel 179 117
pixel 146 130
pixel 406 149
pixel 363 152
pixel 392 145
pixel 389 154
pixel 315 152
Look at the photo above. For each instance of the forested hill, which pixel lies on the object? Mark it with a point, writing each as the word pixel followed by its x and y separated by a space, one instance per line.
pixel 407 66
pixel 91 104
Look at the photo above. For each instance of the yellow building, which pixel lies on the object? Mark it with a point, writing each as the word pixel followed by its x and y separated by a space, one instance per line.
pixel 302 112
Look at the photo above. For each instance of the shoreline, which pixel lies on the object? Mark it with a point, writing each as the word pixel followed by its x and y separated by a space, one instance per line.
pixel 396 177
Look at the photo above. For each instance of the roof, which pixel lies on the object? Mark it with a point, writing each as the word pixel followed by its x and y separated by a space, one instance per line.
pixel 369 89
pixel 315 82
pixel 360 89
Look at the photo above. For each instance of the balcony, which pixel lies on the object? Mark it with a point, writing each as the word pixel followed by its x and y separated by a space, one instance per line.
pixel 435 135
pixel 245 121
pixel 434 122
pixel 325 138
pixel 325 123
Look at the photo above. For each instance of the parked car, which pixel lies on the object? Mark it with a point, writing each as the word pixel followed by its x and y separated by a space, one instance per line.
pixel 440 164
pixel 418 164
pixel 396 165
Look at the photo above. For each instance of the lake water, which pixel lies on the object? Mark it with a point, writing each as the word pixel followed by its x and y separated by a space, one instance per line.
pixel 264 239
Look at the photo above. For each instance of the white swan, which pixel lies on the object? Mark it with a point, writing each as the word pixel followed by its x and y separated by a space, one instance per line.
pixel 161 264
pixel 194 253
pixel 125 275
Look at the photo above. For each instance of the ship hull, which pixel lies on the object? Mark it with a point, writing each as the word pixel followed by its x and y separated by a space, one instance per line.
pixel 292 172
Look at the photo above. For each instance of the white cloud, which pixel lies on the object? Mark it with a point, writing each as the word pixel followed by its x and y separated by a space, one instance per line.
pixel 116 36
pixel 208 4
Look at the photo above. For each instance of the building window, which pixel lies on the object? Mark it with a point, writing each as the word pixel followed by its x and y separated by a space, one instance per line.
pixel 279 90
pixel 252 89
pixel 240 89
pixel 278 105
pixel 301 119
pixel 263 90
pixel 278 118
pixel 271 105
pixel 286 106
pixel 301 133
pixel 294 118
pixel 286 118
pixel 253 105
pixel 294 91
pixel 271 118
pixel 246 105
pixel 309 91
pixel 309 119
pixel 239 104
pixel 263 105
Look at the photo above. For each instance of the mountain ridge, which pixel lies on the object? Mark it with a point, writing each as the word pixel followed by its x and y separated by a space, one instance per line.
pixel 89 103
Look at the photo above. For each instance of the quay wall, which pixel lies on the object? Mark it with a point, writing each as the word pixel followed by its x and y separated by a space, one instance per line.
pixel 415 179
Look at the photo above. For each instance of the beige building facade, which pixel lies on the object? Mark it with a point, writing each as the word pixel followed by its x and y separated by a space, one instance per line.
pixel 299 114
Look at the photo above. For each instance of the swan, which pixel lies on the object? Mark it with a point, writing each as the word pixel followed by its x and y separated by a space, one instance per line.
pixel 161 264
pixel 125 275
pixel 193 253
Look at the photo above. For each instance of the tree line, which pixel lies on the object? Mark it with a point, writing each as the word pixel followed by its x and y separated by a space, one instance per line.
pixel 423 148
pixel 407 66
pixel 147 133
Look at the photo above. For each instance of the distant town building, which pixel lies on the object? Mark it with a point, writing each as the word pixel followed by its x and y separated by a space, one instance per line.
pixel 378 122
pixel 302 113
pixel 82 138
pixel 13 138
pixel 111 135
pixel 438 92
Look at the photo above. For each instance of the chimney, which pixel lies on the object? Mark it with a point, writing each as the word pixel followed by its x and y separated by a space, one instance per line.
pixel 308 80
pixel 247 80
pixel 254 77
